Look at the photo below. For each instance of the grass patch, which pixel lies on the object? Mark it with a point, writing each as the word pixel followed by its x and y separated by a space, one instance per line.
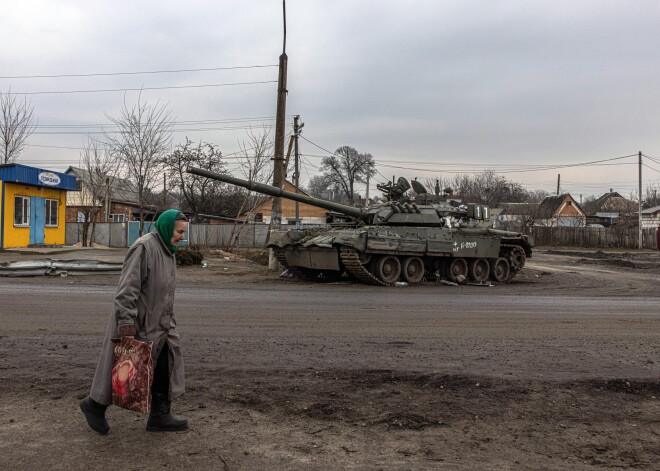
pixel 258 255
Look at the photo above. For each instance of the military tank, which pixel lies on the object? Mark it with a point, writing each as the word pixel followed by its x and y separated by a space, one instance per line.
pixel 426 237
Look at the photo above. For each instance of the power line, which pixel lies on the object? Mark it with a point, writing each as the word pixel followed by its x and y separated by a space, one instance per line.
pixel 332 153
pixel 508 169
pixel 461 164
pixel 224 156
pixel 230 128
pixel 202 121
pixel 108 74
pixel 316 145
pixel 459 171
pixel 652 168
pixel 520 169
pixel 54 147
pixel 142 88
pixel 657 161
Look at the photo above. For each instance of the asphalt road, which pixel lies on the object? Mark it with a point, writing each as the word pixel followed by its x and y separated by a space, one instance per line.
pixel 279 325
pixel 555 371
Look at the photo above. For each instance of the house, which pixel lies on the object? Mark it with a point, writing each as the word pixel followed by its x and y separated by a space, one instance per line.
pixel 561 211
pixel 520 214
pixel 33 205
pixel 115 200
pixel 651 218
pixel 361 202
pixel 610 209
pixel 308 214
pixel 215 219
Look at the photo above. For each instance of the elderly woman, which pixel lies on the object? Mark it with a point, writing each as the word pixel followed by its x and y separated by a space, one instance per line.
pixel 144 308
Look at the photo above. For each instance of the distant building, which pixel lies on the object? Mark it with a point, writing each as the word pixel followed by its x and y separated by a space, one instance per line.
pixel 610 209
pixel 523 214
pixel 308 214
pixel 33 205
pixel 651 218
pixel 117 202
pixel 360 202
pixel 561 211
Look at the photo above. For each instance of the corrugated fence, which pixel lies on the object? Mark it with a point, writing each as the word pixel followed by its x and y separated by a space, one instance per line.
pixel 115 234
pixel 594 237
pixel 254 235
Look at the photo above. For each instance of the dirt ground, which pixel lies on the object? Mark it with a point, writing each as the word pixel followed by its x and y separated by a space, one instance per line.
pixel 275 390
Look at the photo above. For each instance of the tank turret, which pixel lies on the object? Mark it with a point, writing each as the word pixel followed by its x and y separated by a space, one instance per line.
pixel 422 210
pixel 406 238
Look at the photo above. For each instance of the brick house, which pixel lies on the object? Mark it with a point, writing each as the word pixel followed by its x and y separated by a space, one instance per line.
pixel 308 214
pixel 651 217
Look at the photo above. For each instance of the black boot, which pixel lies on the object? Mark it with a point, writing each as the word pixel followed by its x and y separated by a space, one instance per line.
pixel 160 419
pixel 95 415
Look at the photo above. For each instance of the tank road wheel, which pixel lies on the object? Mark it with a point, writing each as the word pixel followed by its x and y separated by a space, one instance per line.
pixel 499 270
pixel 364 258
pixel 457 270
pixel 517 258
pixel 387 268
pixel 413 269
pixel 479 270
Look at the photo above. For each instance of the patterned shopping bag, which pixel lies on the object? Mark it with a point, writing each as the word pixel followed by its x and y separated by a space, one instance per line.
pixel 132 374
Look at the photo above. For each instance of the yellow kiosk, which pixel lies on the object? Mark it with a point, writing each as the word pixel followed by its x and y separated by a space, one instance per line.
pixel 33 206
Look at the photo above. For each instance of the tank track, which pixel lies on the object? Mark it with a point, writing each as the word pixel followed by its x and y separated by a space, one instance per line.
pixel 295 271
pixel 506 250
pixel 351 260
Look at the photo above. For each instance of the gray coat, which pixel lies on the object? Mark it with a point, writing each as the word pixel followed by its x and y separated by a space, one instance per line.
pixel 145 298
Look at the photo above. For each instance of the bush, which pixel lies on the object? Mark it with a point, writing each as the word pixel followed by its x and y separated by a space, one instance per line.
pixel 187 256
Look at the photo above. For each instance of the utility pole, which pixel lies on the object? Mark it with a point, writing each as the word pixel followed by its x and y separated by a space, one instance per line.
pixel 639 214
pixel 278 170
pixel 366 199
pixel 278 161
pixel 296 175
pixel 558 179
pixel 164 191
pixel 108 206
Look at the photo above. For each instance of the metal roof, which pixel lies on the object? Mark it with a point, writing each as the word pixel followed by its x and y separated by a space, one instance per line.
pixel 17 173
pixel 121 190
pixel 652 210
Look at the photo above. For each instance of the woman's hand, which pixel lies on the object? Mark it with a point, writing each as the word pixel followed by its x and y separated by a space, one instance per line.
pixel 126 330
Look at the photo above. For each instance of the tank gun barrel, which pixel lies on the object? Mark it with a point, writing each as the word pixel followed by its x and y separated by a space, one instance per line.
pixel 274 191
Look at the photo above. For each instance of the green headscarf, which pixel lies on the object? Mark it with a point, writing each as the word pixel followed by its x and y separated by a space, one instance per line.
pixel 165 226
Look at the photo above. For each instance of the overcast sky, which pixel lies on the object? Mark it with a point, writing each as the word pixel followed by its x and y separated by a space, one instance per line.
pixel 426 87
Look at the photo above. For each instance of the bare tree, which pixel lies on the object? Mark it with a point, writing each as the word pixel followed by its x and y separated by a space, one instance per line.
pixel 198 192
pixel 652 195
pixel 320 187
pixel 16 126
pixel 255 158
pixel 100 169
pixel 346 168
pixel 485 188
pixel 256 154
pixel 140 138
pixel 536 196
